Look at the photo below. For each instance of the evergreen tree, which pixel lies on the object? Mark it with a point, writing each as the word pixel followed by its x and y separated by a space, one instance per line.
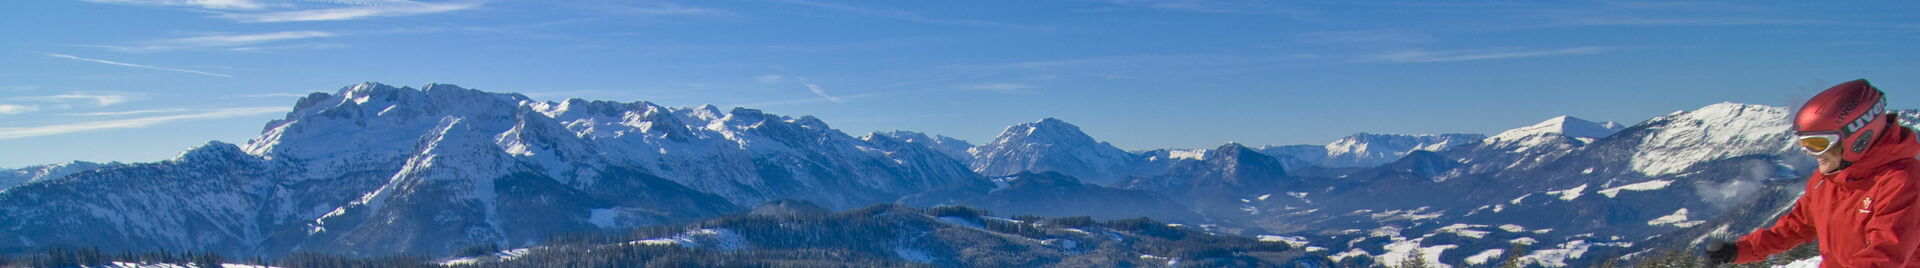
pixel 1514 256
pixel 1416 261
pixel 208 259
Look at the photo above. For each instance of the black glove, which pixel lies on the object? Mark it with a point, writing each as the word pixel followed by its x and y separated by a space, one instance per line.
pixel 1722 252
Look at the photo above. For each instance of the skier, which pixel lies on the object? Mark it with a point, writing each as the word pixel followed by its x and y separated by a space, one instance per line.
pixel 1861 203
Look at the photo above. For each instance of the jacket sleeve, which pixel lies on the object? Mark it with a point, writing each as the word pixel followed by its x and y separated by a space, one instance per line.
pixel 1894 229
pixel 1789 231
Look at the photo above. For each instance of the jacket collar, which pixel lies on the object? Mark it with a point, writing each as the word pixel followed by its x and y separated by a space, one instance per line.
pixel 1897 143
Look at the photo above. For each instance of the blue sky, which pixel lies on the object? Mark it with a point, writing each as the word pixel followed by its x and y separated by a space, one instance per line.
pixel 140 80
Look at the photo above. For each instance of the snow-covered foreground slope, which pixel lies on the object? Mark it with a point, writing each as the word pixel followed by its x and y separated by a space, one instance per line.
pixel 1806 263
pixel 1662 184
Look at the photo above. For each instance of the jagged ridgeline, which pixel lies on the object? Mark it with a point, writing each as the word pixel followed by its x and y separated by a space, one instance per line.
pixel 375 170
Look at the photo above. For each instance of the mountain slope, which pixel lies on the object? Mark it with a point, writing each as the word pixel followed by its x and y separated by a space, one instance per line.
pixel 1053 145
pixel 955 148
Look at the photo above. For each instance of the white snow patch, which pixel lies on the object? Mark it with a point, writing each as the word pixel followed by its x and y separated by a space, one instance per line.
pixel 1355 252
pixel 1003 219
pixel 1403 250
pixel 1677 219
pixel 1410 215
pixel 1570 194
pixel 506 255
pixel 1513 228
pixel 716 238
pixel 1515 201
pixel 1188 154
pixel 1462 230
pixel 1523 241
pixel 1295 241
pixel 1483 256
pixel 1171 262
pixel 1385 231
pixel 1641 186
pixel 1813 262
pixel 1558 256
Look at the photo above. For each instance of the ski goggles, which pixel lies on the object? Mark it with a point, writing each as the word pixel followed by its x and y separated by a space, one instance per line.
pixel 1816 143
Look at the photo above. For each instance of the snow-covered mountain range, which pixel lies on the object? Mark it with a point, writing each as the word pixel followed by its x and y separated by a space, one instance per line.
pixel 375 170
pixel 372 169
pixel 1368 149
pixel 10 178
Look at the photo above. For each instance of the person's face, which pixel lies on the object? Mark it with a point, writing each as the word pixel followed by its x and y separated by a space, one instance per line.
pixel 1829 160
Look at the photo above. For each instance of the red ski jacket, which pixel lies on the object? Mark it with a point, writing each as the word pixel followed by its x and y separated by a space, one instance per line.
pixel 1863 216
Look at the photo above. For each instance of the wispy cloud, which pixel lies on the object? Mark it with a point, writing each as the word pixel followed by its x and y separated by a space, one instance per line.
pixel 1363 37
pixel 817 90
pixel 25 132
pixel 665 8
pixel 133 112
pixel 255 11
pixel 72 57
pixel 1420 55
pixel 101 99
pixel 207 4
pixel 224 41
pixel 12 109
pixel 288 47
pixel 915 17
pixel 357 10
pixel 998 87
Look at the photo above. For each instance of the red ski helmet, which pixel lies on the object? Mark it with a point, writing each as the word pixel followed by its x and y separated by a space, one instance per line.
pixel 1854 113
